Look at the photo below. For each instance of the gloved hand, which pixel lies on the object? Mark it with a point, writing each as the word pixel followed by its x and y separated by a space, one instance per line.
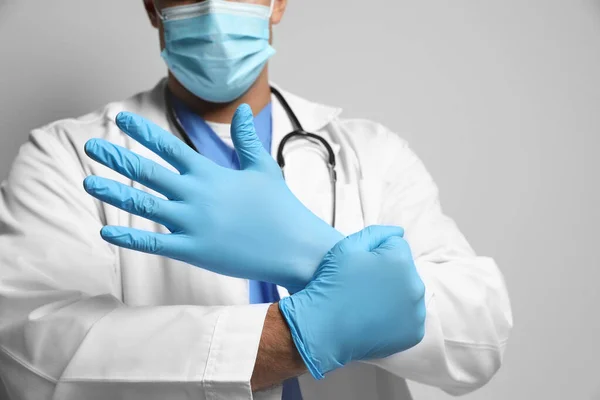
pixel 366 301
pixel 244 224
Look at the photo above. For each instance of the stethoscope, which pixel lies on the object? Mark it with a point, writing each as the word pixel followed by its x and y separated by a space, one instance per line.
pixel 297 132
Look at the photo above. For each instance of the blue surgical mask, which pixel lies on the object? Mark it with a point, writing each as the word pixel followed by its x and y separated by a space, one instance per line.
pixel 217 48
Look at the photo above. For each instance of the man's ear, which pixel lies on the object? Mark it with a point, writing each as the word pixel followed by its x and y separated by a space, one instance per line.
pixel 278 11
pixel 151 10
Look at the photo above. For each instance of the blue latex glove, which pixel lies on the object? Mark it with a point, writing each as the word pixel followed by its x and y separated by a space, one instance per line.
pixel 244 223
pixel 366 301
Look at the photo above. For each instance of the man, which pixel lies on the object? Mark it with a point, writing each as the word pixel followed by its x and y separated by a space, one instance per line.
pixel 81 318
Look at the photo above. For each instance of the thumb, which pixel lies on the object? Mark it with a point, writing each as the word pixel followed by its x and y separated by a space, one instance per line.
pixel 370 238
pixel 245 140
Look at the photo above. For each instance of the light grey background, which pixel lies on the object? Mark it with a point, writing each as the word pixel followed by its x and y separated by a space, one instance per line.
pixel 501 99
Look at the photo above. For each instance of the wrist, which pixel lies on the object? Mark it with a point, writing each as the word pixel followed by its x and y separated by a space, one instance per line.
pixel 312 251
pixel 288 309
pixel 277 358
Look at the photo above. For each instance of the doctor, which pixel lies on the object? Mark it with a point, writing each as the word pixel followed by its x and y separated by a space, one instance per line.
pixel 83 318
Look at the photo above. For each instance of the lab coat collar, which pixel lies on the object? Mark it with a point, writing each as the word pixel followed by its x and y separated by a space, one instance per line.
pixel 313 116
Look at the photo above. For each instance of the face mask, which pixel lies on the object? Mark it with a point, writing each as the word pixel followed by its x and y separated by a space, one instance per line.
pixel 216 48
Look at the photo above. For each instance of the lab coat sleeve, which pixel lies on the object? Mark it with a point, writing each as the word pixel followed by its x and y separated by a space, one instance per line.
pixel 468 311
pixel 65 333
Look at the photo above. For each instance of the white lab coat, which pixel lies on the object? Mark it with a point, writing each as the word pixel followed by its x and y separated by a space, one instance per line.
pixel 81 319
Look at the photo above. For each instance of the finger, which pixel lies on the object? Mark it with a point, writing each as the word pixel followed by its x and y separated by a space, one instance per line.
pixel 369 238
pixel 167 245
pixel 132 200
pixel 398 249
pixel 161 142
pixel 134 166
pixel 249 149
pixel 393 244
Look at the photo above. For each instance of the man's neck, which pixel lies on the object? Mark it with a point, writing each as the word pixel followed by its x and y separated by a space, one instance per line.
pixel 257 97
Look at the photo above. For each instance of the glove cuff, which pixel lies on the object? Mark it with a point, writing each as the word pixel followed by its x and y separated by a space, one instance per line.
pixel 286 306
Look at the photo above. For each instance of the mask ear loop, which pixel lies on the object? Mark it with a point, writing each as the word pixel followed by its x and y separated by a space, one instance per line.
pixel 271 8
pixel 158 11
